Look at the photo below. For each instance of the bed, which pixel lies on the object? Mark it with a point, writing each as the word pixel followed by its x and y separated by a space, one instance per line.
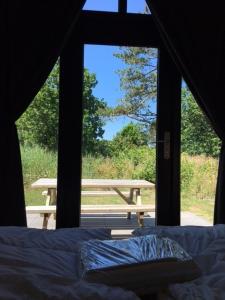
pixel 207 247
pixel 43 264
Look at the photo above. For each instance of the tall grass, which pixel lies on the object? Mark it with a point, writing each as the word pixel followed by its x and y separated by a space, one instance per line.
pixel 37 162
pixel 134 164
pixel 199 176
pixel 198 186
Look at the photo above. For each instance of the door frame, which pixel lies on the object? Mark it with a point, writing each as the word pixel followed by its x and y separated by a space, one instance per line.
pixel 104 28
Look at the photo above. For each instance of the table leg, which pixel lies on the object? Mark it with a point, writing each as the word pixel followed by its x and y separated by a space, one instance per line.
pixel 45 221
pixel 140 217
pixel 138 197
pixel 50 200
pixel 131 197
pixel 52 193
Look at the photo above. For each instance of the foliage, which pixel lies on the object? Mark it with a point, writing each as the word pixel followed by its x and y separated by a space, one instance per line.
pixel 199 185
pixel 139 81
pixel 197 135
pixel 186 172
pixel 92 121
pixel 104 148
pixel 202 184
pixel 38 125
pixel 144 161
pixel 132 135
pixel 38 162
pixel 136 163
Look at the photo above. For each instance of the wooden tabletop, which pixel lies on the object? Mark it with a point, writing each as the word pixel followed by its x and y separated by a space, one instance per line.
pixel 97 183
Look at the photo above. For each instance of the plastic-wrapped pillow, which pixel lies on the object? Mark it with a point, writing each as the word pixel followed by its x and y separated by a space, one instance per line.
pixel 96 254
pixel 141 264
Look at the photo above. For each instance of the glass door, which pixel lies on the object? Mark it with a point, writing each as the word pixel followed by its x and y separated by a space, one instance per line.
pixel 159 104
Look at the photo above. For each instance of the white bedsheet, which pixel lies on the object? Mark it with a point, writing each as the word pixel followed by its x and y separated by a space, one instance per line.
pixel 211 285
pixel 207 246
pixel 34 267
pixel 44 265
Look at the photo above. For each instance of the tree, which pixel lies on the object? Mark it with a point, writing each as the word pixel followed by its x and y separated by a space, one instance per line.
pixel 197 135
pixel 139 82
pixel 39 124
pixel 92 121
pixel 131 136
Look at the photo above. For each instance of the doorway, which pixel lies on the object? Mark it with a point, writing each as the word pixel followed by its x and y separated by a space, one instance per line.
pixel 126 30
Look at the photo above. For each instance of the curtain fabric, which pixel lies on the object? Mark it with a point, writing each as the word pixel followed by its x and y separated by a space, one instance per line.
pixel 33 34
pixel 194 33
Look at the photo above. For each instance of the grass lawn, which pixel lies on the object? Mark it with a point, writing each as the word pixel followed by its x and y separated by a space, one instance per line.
pixel 201 207
pixel 148 197
pixel 34 197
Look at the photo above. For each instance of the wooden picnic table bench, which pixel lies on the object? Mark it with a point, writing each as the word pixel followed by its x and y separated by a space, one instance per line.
pixel 95 193
pixel 99 188
pixel 93 209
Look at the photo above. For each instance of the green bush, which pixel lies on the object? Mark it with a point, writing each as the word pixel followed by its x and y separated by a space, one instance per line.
pixel 132 136
pixel 144 161
pixel 138 163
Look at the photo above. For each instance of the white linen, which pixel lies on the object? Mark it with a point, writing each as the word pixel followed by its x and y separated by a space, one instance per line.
pixel 211 285
pixel 41 264
pixel 194 239
pixel 207 246
pixel 65 238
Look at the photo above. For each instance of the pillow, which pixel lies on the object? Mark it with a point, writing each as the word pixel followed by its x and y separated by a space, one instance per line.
pixel 96 254
pixel 67 239
pixel 142 264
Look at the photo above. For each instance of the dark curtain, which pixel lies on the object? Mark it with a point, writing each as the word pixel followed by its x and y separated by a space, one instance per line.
pixel 194 33
pixel 33 34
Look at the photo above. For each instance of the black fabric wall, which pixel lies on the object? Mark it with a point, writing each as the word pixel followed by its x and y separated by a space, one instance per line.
pixel 33 34
pixel 194 33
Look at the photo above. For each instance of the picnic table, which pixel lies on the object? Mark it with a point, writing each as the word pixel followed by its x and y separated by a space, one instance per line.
pixel 99 187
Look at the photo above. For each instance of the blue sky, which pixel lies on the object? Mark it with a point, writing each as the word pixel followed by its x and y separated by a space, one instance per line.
pixel 101 61
pixel 112 5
